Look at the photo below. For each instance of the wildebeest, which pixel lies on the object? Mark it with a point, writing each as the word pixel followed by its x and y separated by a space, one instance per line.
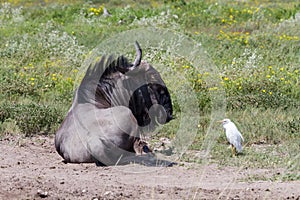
pixel 115 101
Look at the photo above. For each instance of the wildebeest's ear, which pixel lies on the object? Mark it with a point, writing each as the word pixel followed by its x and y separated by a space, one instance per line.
pixel 122 64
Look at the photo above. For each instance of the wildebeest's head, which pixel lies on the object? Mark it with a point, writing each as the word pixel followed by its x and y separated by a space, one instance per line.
pixel 137 86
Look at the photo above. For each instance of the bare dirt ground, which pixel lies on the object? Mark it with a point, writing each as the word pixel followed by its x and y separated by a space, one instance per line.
pixel 30 168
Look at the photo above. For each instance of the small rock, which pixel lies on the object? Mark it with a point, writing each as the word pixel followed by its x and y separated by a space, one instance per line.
pixel 107 193
pixel 236 197
pixel 84 191
pixel 42 194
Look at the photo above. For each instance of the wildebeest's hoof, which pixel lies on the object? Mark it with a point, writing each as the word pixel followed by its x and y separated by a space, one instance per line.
pixel 172 164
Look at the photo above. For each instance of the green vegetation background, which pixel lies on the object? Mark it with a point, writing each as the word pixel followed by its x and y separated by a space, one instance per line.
pixel 254 44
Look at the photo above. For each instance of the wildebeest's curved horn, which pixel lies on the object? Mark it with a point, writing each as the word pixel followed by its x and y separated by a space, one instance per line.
pixel 138 58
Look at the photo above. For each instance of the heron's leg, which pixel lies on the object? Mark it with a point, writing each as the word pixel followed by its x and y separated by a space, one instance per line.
pixel 233 151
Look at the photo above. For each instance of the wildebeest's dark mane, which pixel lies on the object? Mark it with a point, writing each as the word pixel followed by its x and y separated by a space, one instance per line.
pixel 106 85
pixel 120 64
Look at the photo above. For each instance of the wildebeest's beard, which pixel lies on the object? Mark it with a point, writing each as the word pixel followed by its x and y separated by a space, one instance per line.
pixel 151 105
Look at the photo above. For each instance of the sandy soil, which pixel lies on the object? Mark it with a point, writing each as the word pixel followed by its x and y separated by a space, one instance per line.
pixel 30 168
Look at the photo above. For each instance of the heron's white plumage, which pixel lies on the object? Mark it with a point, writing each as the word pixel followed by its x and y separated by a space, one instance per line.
pixel 233 135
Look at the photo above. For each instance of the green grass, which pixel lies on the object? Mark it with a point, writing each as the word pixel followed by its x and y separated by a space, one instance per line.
pixel 255 46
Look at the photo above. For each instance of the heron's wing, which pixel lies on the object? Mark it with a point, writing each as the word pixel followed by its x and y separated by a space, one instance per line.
pixel 241 136
pixel 236 131
pixel 235 138
pixel 238 142
pixel 230 135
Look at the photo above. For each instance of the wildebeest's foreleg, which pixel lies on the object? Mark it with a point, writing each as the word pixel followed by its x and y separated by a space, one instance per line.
pixel 106 153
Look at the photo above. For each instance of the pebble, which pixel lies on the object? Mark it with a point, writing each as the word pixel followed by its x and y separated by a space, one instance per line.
pixel 42 194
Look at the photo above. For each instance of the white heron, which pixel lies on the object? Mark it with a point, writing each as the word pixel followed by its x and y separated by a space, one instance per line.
pixel 233 135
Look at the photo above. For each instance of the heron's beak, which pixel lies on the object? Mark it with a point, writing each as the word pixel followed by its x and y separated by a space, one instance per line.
pixel 220 121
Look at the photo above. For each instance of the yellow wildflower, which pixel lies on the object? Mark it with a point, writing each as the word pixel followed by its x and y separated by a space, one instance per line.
pixel 213 88
pixel 69 79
